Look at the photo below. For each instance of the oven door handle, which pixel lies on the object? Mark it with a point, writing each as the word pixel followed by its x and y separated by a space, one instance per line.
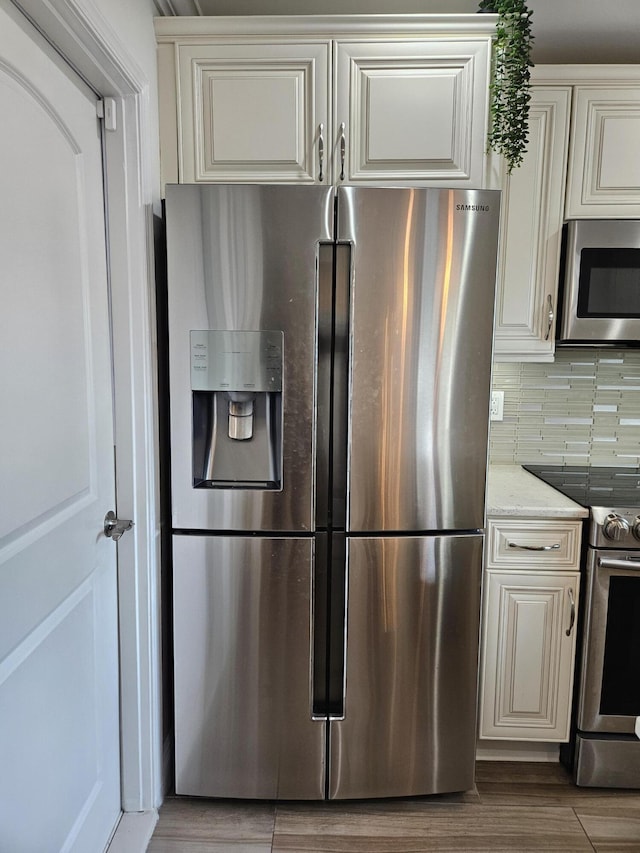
pixel 610 563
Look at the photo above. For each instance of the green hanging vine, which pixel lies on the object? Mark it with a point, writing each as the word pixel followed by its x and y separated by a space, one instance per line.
pixel 509 89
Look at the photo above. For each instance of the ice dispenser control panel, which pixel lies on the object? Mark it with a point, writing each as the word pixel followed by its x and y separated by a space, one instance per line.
pixel 236 361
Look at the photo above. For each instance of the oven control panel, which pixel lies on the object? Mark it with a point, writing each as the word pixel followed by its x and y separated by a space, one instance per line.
pixel 615 528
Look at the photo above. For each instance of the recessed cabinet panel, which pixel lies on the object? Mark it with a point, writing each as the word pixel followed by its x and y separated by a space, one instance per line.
pixel 252 112
pixel 391 104
pixel 413 110
pixel 247 98
pixel 530 240
pixel 604 171
pixel 528 652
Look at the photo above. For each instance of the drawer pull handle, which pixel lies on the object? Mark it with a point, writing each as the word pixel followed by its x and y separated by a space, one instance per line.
pixel 321 151
pixel 549 317
pixel 572 618
pixel 534 547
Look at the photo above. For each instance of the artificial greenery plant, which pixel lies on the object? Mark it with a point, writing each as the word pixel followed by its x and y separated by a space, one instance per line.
pixel 509 89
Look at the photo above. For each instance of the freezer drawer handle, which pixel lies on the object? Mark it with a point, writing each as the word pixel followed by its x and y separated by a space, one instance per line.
pixel 554 547
pixel 627 563
pixel 321 152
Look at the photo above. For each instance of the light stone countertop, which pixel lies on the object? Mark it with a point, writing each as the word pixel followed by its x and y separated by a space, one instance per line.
pixel 513 492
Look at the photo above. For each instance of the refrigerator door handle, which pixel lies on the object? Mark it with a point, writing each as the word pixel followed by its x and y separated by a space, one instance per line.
pixel 332 385
pixel 337 635
pixel 329 627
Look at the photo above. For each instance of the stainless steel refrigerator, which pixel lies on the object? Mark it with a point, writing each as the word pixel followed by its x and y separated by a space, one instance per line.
pixel 330 356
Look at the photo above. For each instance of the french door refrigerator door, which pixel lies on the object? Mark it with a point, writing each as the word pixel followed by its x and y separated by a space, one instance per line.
pixel 242 647
pixel 411 668
pixel 423 292
pixel 242 287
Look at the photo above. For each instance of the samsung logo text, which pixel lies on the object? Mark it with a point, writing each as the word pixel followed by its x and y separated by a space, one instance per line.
pixel 482 207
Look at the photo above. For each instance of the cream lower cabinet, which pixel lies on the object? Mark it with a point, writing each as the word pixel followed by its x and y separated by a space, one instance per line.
pixel 531 234
pixel 529 630
pixel 361 99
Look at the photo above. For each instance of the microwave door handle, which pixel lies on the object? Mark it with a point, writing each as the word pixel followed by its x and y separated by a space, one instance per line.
pixel 550 316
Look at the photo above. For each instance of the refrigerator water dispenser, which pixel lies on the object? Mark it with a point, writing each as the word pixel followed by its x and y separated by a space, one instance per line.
pixel 236 385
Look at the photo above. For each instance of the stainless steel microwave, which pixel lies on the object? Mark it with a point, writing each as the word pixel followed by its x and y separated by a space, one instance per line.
pixel 599 298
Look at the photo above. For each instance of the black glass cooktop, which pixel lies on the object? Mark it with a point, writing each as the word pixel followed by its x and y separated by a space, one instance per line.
pixel 592 486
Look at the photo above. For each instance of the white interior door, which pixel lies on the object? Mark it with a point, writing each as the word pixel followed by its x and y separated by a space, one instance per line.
pixel 59 706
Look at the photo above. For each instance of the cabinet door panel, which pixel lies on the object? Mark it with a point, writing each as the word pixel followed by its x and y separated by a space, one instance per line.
pixel 527 671
pixel 530 239
pixel 252 112
pixel 413 110
pixel 604 170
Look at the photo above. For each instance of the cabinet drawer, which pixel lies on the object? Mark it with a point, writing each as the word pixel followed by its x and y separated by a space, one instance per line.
pixel 533 544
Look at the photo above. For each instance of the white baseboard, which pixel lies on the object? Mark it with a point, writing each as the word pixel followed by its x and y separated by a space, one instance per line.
pixel 134 832
pixel 517 751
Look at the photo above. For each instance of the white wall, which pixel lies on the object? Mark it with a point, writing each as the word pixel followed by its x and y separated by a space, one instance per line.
pixel 566 31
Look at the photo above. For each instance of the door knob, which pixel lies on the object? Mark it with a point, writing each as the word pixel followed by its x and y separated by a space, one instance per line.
pixel 114 527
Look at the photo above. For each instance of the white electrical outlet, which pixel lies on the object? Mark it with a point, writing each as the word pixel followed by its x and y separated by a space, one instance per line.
pixel 497 405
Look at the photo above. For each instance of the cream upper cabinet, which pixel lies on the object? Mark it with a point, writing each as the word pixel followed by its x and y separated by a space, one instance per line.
pixel 532 584
pixel 581 162
pixel 412 111
pixel 252 112
pixel 531 233
pixel 604 167
pixel 355 98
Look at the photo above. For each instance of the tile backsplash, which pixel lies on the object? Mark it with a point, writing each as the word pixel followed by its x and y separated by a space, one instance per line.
pixel 582 409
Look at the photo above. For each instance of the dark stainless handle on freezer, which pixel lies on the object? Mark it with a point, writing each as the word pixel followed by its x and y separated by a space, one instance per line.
pixel 343 148
pixel 328 627
pixel 554 547
pixel 321 151
pixel 550 316
pixel 610 563
pixel 572 618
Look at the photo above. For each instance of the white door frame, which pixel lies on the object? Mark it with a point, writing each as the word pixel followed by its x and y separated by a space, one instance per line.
pixel 89 44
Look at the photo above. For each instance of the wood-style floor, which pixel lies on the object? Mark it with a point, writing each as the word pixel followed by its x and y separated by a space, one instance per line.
pixel 515 807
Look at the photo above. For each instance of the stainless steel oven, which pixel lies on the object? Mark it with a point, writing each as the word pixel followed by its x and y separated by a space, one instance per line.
pixel 600 288
pixel 604 750
pixel 607 751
